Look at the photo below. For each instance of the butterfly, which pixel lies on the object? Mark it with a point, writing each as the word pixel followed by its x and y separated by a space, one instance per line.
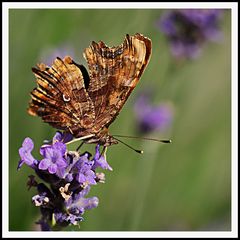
pixel 83 103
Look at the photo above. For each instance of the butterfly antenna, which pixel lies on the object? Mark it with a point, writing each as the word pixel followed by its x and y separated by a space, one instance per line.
pixel 136 150
pixel 144 138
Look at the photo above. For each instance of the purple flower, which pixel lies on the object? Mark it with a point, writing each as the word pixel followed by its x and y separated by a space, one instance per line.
pixel 78 203
pixel 53 157
pixel 100 160
pixel 83 167
pixel 69 176
pixel 150 117
pixel 62 137
pixel 76 206
pixel 63 218
pixel 84 204
pixel 25 154
pixel 189 29
pixel 40 199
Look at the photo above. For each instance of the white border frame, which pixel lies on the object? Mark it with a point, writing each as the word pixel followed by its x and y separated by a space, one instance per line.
pixel 140 5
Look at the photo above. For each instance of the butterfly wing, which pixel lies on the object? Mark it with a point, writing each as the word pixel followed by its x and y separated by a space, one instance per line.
pixel 114 73
pixel 61 98
pixel 68 98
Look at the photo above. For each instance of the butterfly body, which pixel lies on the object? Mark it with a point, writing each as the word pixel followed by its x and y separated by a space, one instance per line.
pixel 82 103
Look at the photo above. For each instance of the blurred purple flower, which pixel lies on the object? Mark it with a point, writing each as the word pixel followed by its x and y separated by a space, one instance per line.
pixel 77 204
pixel 189 29
pixel 69 176
pixel 49 55
pixel 152 118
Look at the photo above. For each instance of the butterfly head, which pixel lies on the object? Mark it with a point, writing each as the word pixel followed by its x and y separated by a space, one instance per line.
pixel 109 140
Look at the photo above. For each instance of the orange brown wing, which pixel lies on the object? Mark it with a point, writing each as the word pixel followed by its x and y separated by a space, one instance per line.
pixel 61 98
pixel 114 72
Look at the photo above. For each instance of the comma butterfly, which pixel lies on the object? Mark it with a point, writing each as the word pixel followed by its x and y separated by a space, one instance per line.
pixel 85 104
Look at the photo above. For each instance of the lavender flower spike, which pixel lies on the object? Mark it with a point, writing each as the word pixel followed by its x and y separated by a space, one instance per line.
pixel 152 118
pixel 69 176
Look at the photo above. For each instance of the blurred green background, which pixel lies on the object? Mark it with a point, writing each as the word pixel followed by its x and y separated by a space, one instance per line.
pixel 185 185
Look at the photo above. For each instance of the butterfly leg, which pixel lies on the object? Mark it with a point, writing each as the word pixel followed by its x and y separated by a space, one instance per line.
pixel 104 151
pixel 81 138
pixel 78 148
